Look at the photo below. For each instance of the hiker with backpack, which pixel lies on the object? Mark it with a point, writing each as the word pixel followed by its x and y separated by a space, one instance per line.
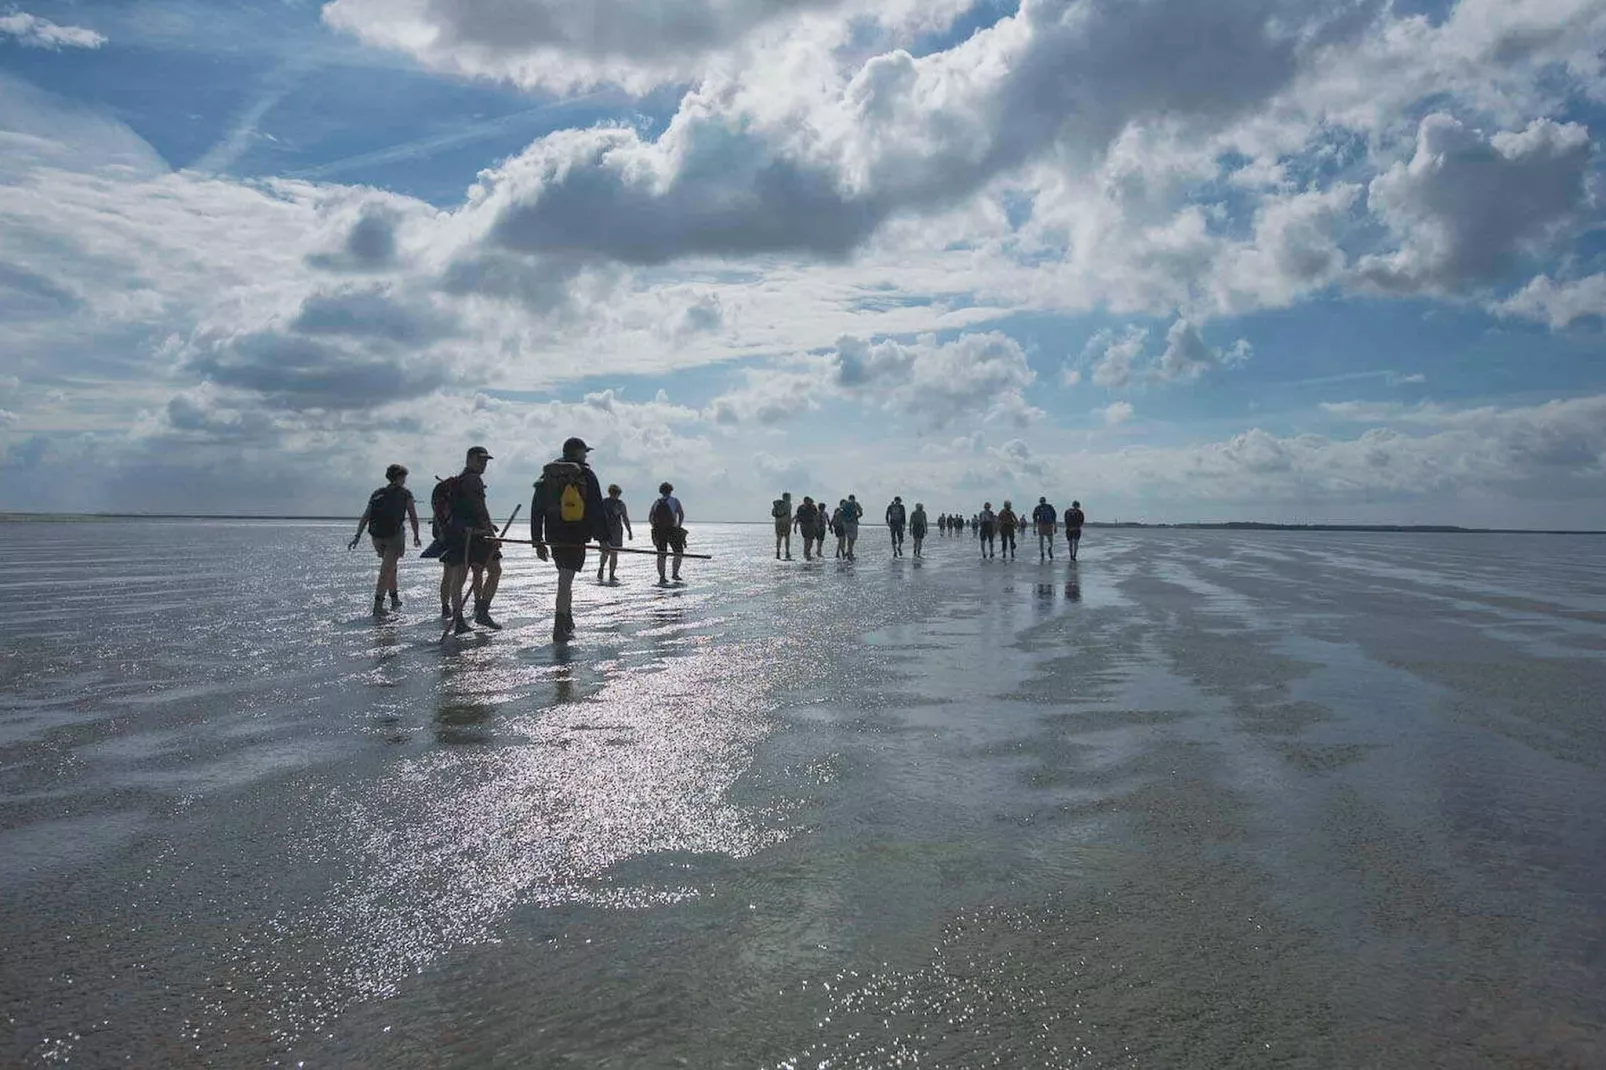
pixel 838 529
pixel 1008 524
pixel 1074 519
pixel 387 508
pixel 566 512
pixel 808 526
pixel 985 523
pixel 467 538
pixel 897 517
pixel 1046 518
pixel 618 527
pixel 852 513
pixel 781 511
pixel 668 522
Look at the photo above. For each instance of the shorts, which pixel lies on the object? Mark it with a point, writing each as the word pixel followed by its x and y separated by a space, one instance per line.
pixel 783 527
pixel 571 558
pixel 666 539
pixel 567 543
pixel 985 531
pixel 390 544
pixel 482 552
pixel 1045 529
pixel 616 536
pixel 850 529
pixel 1073 534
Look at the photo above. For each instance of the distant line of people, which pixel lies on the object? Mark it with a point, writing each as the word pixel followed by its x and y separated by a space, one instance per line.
pixel 567 511
pixel 813 521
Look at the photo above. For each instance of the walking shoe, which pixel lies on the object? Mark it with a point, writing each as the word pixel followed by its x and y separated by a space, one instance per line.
pixel 460 627
pixel 379 607
pixel 446 609
pixel 482 617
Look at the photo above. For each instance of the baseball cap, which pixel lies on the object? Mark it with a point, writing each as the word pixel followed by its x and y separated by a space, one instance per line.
pixel 480 451
pixel 575 445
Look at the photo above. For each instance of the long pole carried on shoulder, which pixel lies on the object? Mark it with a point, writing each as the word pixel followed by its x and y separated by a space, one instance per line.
pixel 587 546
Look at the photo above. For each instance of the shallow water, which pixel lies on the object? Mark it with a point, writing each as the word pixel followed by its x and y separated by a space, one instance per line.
pixel 1201 799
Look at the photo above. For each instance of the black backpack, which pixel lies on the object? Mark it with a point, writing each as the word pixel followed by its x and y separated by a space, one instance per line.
pixel 387 508
pixel 563 492
pixel 442 504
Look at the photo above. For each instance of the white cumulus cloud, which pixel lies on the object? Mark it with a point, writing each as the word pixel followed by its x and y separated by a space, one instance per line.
pixel 35 32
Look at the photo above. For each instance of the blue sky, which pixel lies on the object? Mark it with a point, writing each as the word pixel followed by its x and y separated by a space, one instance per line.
pixel 1268 259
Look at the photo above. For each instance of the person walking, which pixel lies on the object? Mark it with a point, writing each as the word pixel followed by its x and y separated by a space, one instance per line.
pixel 1045 519
pixel 897 519
pixel 807 521
pixel 566 512
pixel 1008 524
pixel 668 522
pixel 838 527
pixel 618 516
pixel 917 526
pixel 469 548
pixel 781 511
pixel 388 507
pixel 1074 519
pixel 852 513
pixel 986 529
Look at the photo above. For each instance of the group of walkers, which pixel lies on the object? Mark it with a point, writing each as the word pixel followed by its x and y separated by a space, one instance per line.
pixel 994 531
pixel 567 511
pixel 813 521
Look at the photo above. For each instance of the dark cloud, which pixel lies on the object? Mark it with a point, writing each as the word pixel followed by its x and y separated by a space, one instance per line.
pixel 295 372
pixel 372 314
pixel 367 244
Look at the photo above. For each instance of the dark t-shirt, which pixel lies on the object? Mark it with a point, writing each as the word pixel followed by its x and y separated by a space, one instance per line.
pixel 387 509
pixel 1074 518
pixel 468 504
pixel 1043 514
pixel 807 514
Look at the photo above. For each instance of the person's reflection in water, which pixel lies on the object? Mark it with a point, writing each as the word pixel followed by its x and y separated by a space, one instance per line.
pixel 1073 586
pixel 563 678
pixel 462 721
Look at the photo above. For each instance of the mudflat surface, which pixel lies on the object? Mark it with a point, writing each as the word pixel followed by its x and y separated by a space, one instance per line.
pixel 1202 799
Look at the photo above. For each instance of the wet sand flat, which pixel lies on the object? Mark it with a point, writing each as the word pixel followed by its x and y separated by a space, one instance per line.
pixel 1203 799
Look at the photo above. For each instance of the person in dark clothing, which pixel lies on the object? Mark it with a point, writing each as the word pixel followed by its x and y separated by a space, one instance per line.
pixel 1074 519
pixel 387 508
pixel 806 521
pixel 469 545
pixel 566 512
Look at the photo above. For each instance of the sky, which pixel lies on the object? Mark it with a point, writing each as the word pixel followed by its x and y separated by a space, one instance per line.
pixel 1284 260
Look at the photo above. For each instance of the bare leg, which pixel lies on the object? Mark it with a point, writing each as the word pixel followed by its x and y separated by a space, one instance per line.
pixel 490 582
pixel 565 603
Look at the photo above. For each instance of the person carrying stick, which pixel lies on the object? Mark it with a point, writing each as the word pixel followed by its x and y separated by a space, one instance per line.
pixel 567 511
pixel 464 553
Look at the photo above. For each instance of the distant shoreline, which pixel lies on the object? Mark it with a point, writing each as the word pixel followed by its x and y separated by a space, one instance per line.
pixel 1228 525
